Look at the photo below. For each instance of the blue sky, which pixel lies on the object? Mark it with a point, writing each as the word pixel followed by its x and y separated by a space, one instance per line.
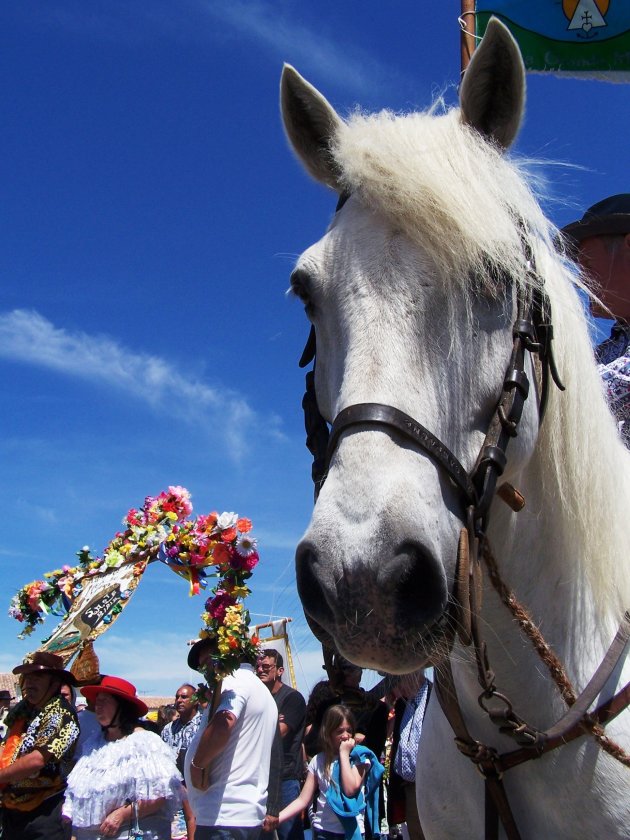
pixel 151 213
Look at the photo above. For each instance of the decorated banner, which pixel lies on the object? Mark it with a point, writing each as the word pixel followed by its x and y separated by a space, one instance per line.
pixel 95 608
pixel 573 37
pixel 274 634
pixel 91 595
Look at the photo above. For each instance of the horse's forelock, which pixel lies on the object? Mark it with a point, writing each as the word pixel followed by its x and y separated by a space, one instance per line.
pixel 444 186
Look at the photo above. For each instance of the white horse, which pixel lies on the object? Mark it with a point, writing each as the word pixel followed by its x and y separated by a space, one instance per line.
pixel 408 313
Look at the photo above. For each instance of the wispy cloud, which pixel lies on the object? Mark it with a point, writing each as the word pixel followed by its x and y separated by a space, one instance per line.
pixel 272 28
pixel 158 665
pixel 28 337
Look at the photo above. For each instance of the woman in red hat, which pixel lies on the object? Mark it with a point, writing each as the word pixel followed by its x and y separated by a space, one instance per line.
pixel 126 777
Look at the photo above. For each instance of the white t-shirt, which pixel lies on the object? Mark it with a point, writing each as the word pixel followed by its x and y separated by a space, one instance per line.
pixel 239 776
pixel 325 818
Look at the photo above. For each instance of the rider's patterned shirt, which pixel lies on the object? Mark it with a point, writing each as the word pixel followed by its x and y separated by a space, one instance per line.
pixel 613 358
pixel 53 731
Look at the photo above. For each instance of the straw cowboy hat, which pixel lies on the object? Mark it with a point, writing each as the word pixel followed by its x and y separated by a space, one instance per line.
pixel 119 688
pixel 42 661
pixel 609 216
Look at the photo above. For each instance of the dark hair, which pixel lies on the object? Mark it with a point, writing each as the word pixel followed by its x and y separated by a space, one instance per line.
pixel 126 716
pixel 73 691
pixel 272 653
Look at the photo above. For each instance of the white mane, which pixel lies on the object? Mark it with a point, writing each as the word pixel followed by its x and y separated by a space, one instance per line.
pixel 461 199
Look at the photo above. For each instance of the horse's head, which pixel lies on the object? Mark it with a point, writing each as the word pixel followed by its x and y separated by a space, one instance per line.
pixel 412 295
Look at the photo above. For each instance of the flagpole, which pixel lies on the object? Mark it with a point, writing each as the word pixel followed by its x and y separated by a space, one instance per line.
pixel 467 39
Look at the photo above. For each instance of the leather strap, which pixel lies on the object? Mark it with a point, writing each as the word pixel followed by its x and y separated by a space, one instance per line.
pixel 390 417
pixel 574 724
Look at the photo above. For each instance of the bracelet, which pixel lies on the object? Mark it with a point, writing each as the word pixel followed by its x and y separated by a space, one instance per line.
pixel 196 766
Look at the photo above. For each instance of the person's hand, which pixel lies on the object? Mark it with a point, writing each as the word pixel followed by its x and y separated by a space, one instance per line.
pixel 346 747
pixel 112 824
pixel 270 823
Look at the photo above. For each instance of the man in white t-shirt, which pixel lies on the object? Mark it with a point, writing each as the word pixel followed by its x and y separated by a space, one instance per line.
pixel 227 764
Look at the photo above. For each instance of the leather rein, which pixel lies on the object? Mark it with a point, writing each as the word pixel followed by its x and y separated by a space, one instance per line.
pixel 532 333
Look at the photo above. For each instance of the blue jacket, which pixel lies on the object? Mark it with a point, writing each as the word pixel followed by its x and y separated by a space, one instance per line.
pixel 347 807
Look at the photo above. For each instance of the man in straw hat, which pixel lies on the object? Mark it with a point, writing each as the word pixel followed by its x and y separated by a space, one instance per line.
pixel 227 765
pixel 43 730
pixel 601 242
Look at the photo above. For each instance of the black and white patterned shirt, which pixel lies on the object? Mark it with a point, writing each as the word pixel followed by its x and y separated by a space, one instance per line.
pixel 613 358
pixel 179 735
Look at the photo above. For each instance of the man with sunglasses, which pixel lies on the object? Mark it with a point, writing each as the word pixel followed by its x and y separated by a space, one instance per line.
pixel 291 720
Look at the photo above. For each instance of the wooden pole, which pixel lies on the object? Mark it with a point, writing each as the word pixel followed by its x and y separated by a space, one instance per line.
pixel 467 40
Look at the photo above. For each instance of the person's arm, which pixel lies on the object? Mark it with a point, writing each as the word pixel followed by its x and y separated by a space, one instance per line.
pixel 274 786
pixel 292 715
pixel 303 800
pixel 189 817
pixel 116 819
pixel 351 776
pixel 212 743
pixel 23 768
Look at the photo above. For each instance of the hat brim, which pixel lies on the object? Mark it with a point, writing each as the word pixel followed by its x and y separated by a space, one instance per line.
pixel 90 692
pixel 195 652
pixel 32 667
pixel 615 223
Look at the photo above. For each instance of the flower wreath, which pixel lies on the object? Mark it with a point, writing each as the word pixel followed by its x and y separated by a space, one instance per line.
pixel 159 530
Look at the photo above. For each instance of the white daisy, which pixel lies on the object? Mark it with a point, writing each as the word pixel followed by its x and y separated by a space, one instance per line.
pixel 246 545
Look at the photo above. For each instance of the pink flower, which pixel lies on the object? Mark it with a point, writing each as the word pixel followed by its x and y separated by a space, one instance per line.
pixel 183 498
pixel 251 561
pixel 217 606
pixel 245 564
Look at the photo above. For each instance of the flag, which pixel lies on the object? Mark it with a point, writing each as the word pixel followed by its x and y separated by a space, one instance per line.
pixel 102 598
pixel 587 38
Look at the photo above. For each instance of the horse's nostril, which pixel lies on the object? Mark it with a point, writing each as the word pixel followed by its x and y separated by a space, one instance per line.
pixel 309 587
pixel 420 591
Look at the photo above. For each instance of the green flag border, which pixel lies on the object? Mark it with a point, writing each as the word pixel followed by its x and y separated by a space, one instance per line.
pixel 609 58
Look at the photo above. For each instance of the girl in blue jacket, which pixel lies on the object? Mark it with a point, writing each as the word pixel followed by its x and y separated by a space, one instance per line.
pixel 345 778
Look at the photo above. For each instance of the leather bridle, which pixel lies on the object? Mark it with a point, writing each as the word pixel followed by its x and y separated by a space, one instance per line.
pixel 532 334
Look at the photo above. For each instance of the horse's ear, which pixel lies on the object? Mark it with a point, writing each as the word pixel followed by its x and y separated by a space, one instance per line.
pixel 492 93
pixel 311 123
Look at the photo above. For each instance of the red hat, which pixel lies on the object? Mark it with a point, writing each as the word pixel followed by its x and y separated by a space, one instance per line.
pixel 117 687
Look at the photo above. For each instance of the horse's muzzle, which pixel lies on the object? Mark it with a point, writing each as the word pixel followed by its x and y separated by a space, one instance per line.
pixel 381 614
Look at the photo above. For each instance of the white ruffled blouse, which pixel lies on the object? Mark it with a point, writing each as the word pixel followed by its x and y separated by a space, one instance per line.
pixel 139 767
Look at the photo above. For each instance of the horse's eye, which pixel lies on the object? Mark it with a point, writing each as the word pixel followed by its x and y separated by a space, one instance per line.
pixel 299 287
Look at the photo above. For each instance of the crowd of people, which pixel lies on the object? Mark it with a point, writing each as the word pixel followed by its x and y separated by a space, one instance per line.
pixel 254 760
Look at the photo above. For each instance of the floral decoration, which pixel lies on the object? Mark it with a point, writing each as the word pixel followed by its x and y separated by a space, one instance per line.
pixel 225 618
pixel 160 530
